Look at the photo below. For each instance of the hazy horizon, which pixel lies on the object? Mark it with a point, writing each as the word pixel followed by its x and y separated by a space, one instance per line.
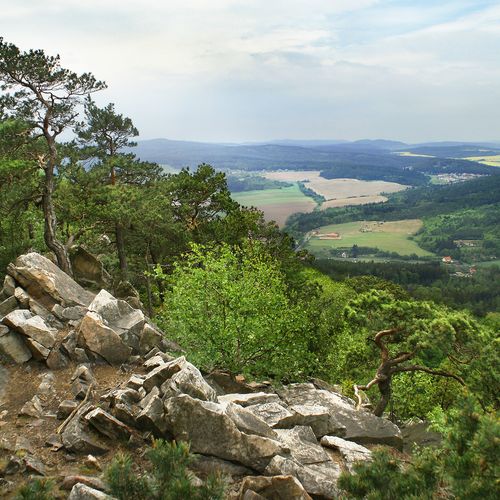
pixel 238 71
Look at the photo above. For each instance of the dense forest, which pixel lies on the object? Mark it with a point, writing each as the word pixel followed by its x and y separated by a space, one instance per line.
pixel 229 286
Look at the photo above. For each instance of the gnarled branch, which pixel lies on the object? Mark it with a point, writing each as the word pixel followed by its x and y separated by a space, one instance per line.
pixel 420 368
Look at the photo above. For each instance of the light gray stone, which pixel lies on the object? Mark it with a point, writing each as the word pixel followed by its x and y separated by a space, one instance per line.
pixel 248 422
pixel 317 479
pixel 360 426
pixel 162 372
pixel 8 305
pixel 253 398
pixel 108 425
pixel 211 432
pixel 151 418
pixel 46 283
pixel 31 326
pixel 274 414
pixel 303 445
pixel 150 337
pixel 9 286
pixel 189 381
pixel 22 297
pixel 276 487
pixel 82 492
pixel 12 345
pixel 102 340
pixel 351 452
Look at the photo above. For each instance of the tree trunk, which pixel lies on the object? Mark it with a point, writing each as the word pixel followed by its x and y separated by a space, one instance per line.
pixel 385 396
pixel 120 247
pixel 50 235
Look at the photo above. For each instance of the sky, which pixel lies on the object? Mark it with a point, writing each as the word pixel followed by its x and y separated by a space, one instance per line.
pixel 257 70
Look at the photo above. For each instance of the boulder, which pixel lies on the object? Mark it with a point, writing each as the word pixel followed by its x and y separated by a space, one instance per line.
pixel 8 305
pixel 211 432
pixel 65 408
pixel 45 282
pixel 82 492
pixel 31 326
pixel 163 371
pixel 351 452
pixel 22 297
pixel 248 422
pixel 96 336
pixel 189 381
pixel 32 408
pixel 317 479
pixel 108 425
pixel 12 345
pixel 88 269
pixel 274 414
pixel 275 488
pixel 151 418
pixel 150 337
pixel 78 438
pixel 118 314
pixel 93 482
pixel 360 426
pixel 317 417
pixel 9 286
pixel 254 398
pixel 205 465
pixel 39 351
pixel 303 445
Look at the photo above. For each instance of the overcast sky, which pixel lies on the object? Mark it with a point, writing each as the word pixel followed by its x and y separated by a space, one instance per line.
pixel 246 70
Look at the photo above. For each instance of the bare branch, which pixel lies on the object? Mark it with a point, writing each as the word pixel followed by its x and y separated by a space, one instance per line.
pixel 419 368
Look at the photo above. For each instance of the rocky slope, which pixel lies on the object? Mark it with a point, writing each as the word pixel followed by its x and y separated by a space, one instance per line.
pixel 84 376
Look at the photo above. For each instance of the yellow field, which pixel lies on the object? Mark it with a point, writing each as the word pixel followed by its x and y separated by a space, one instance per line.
pixel 407 153
pixel 493 161
pixel 339 192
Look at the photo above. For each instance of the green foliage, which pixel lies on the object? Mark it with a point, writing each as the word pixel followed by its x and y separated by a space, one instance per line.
pixel 168 478
pixel 36 489
pixel 465 467
pixel 231 309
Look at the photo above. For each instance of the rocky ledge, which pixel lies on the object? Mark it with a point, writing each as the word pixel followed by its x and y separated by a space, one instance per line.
pixel 122 386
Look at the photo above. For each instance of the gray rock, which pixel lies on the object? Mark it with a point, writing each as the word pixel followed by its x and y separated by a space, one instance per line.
pixel 162 372
pixel 317 417
pixel 205 466
pixel 211 432
pixel 88 269
pixel 12 345
pixel 78 438
pixel 150 337
pixel 91 481
pixel 253 398
pixel 22 297
pixel 39 351
pixel 35 466
pixel 32 408
pixel 9 286
pixel 46 283
pixel 303 445
pixel 102 340
pixel 108 425
pixel 125 413
pixel 351 452
pixel 74 313
pixel 189 381
pixel 82 492
pixel 135 382
pixel 155 391
pixel 248 422
pixel 56 360
pixel 151 418
pixel 276 487
pixel 125 396
pixel 31 326
pixel 8 305
pixel 274 414
pixel 65 408
pixel 157 360
pixel 317 479
pixel 360 426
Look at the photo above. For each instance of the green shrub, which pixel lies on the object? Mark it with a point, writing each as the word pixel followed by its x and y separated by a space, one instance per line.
pixel 37 489
pixel 168 478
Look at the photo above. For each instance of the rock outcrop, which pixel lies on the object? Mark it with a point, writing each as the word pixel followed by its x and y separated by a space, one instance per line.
pixel 289 443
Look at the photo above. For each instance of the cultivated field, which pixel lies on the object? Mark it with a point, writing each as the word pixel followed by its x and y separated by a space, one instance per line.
pixel 386 236
pixel 339 192
pixel 493 161
pixel 277 204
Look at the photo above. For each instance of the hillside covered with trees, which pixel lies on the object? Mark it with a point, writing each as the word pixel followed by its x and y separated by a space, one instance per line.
pixel 229 287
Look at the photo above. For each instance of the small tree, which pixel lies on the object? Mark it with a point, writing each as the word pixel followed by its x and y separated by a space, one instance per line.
pixel 45 96
pixel 231 309
pixel 412 336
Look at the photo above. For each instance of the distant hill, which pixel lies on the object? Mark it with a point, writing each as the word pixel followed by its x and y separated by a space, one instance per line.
pixel 364 159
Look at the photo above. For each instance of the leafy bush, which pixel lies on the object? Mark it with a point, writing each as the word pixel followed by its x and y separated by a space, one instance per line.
pixel 168 479
pixel 466 467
